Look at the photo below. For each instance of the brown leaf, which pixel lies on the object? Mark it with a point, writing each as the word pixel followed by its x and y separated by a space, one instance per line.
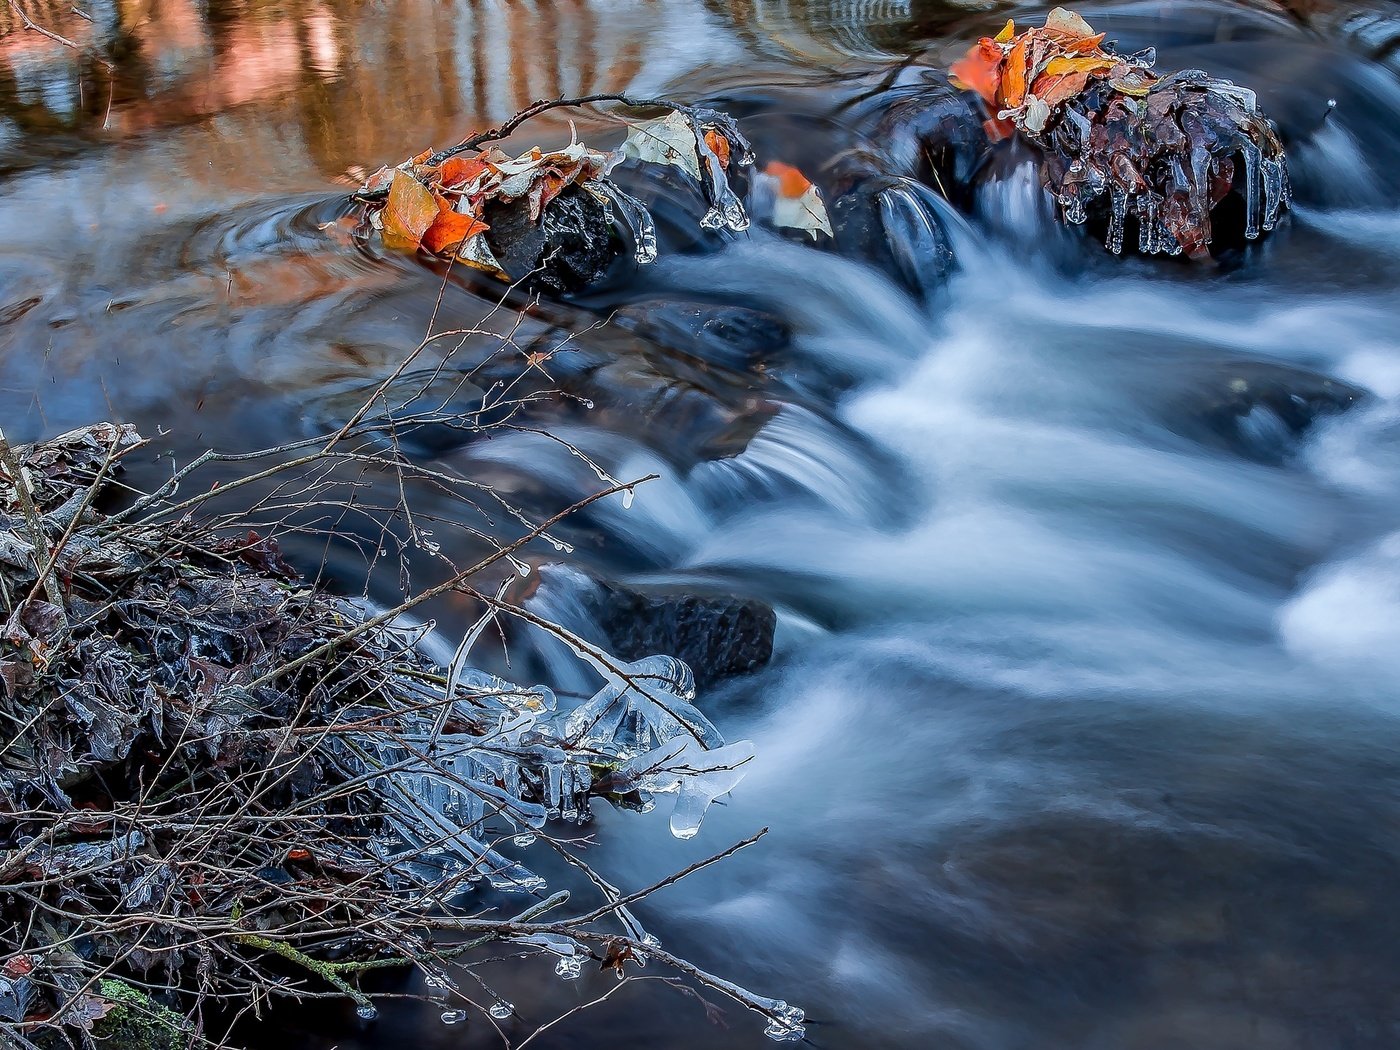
pixel 380 180
pixel 618 953
pixel 408 213
pixel 1084 45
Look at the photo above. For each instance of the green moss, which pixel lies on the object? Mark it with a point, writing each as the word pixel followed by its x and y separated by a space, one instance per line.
pixel 138 1022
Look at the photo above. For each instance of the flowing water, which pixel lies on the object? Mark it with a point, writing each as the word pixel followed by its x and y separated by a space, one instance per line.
pixel 1084 726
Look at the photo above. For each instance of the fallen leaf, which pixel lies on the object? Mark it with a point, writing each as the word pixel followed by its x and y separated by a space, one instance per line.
pixel 1008 32
pixel 1053 90
pixel 1037 112
pixel 791 182
pixel 86 1010
pixel 1084 45
pixel 1079 64
pixel 666 140
pixel 719 146
pixel 980 70
pixel 458 171
pixel 477 254
pixel 798 204
pixel 379 181
pixel 1068 23
pixel 19 966
pixel 410 210
pixel 1013 77
pixel 450 229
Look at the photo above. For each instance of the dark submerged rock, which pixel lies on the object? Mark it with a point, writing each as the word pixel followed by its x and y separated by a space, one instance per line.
pixel 1260 409
pixel 718 635
pixel 733 337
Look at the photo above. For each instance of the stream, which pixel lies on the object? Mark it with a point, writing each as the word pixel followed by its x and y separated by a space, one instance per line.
pixel 1082 730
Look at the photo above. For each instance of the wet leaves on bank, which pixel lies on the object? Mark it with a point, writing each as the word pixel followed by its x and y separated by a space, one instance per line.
pixel 1161 150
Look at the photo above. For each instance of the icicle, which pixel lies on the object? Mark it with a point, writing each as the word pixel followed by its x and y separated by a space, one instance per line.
pixel 1274 177
pixel 1117 217
pixel 1251 190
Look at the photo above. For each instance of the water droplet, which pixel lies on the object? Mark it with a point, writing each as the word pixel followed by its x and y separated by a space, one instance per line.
pixel 436 982
pixel 501 1009
pixel 569 968
pixel 785 1025
pixel 453 1016
pixel 781 1032
pixel 366 1012
pixel 627 497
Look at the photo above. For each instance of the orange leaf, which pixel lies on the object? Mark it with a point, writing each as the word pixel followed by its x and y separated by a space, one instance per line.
pixel 1008 32
pixel 791 182
pixel 408 213
pixel 1085 44
pixel 457 171
pixel 1052 90
pixel 298 854
pixel 980 70
pixel 1013 81
pixel 450 229
pixel 720 147
pixel 1085 64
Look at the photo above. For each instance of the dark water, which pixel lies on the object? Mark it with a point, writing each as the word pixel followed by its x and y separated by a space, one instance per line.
pixel 1084 730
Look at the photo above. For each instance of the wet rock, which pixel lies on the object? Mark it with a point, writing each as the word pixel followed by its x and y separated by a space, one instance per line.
pixel 892 224
pixel 718 635
pixel 1260 409
pixel 431 411
pixel 924 129
pixel 733 337
pixel 570 248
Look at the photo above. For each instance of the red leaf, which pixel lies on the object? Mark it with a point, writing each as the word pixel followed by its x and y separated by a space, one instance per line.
pixel 19 966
